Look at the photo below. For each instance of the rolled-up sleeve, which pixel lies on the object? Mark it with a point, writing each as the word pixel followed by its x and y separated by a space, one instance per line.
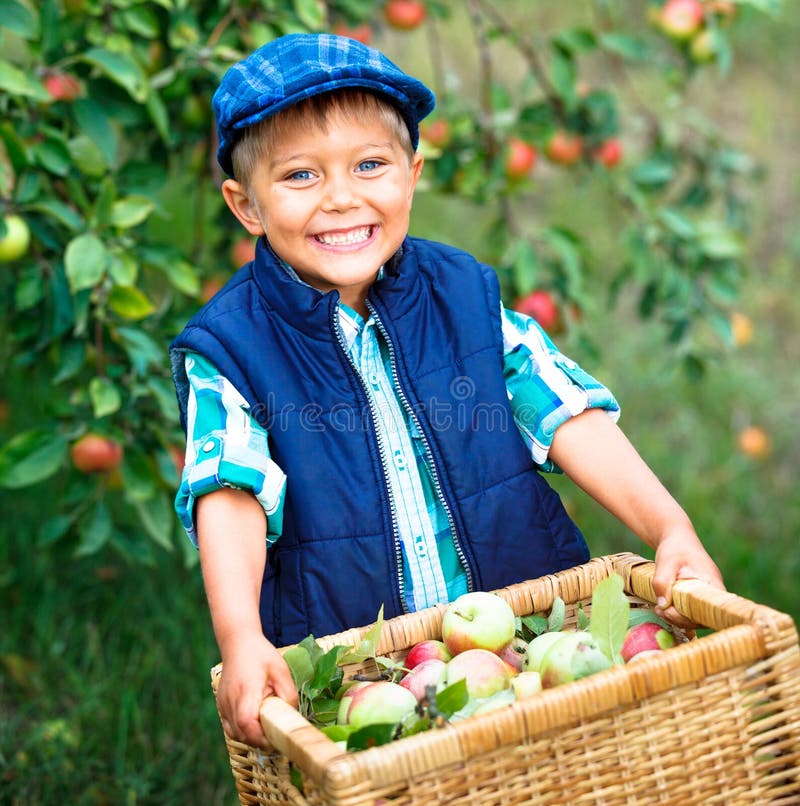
pixel 225 447
pixel 545 388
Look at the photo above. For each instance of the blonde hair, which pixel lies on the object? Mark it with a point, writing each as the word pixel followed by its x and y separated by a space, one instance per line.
pixel 355 105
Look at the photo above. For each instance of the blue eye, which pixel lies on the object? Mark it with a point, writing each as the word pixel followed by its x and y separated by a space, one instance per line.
pixel 368 165
pixel 300 176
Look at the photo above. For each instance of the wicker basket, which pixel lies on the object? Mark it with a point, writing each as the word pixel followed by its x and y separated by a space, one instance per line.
pixel 715 720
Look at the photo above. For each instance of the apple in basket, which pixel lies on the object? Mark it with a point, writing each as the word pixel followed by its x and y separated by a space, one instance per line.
pixel 430 649
pixel 575 656
pixel 485 672
pixel 428 673
pixel 537 648
pixel 646 637
pixel 376 703
pixel 478 620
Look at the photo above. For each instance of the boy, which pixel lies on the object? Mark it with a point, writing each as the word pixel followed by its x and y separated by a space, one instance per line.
pixel 362 399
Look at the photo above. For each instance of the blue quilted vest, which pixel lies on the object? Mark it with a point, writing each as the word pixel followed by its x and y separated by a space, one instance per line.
pixel 338 559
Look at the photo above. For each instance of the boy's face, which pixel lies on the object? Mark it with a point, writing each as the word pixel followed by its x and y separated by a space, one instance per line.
pixel 334 205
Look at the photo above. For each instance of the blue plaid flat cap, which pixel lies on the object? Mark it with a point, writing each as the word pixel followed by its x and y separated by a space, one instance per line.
pixel 297 66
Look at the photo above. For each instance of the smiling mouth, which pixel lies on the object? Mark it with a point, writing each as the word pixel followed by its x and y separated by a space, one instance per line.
pixel 345 237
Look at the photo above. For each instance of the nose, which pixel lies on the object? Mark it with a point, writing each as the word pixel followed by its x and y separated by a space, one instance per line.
pixel 340 193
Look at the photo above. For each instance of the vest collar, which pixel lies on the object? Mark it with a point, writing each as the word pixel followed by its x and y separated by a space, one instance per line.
pixel 308 309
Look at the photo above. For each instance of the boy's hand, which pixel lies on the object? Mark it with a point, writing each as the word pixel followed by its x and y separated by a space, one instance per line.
pixel 252 669
pixel 680 555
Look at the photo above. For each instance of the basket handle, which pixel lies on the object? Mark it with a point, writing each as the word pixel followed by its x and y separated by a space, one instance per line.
pixel 708 606
pixel 289 732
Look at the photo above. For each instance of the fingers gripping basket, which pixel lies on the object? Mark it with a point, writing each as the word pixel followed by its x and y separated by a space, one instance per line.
pixel 715 720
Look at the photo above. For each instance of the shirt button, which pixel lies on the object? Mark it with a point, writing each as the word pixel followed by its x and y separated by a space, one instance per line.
pixel 399 460
pixel 373 379
pixel 209 446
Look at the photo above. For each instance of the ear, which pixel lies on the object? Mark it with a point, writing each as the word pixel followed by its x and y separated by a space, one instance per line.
pixel 416 169
pixel 239 203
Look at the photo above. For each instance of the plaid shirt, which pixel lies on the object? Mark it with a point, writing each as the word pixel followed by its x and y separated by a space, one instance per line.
pixel 227 447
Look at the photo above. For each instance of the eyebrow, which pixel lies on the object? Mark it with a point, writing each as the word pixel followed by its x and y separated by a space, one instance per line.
pixel 276 163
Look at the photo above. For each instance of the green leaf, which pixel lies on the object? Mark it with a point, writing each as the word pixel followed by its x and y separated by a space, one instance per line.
pixel 536 624
pixel 16 82
pixel 576 40
pixel 138 479
pixel 677 223
pixel 371 736
pixel 61 212
pixel 311 13
pixel 20 19
pixel 555 621
pixel 315 652
pixel 53 529
pixel 159 115
pixel 327 672
pixel 300 665
pixel 131 211
pixel 642 615
pixel 85 260
pixel 93 122
pixel 610 614
pixel 183 276
pixel 366 649
pixel 95 531
pixel 31 457
pixel 452 698
pixel 88 158
pixel 143 350
pixel 105 397
pixel 157 517
pixel 632 48
pixel 120 68
pixel 337 733
pixel 652 172
pixel 718 242
pixel 123 268
pixel 129 302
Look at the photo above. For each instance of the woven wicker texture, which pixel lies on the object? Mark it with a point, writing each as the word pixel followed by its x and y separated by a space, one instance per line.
pixel 715 720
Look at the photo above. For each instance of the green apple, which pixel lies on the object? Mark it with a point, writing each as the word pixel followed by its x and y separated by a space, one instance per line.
pixel 478 620
pixel 16 240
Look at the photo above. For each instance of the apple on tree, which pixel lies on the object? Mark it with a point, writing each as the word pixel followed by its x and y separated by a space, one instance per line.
pixel 564 148
pixel 540 305
pixel 242 251
pixel 15 241
pixel 520 159
pixel 405 15
pixel 478 620
pixel 681 19
pixel 62 86
pixel 608 153
pixel 94 453
pixel 361 33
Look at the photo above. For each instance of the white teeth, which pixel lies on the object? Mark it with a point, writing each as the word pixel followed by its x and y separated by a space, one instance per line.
pixel 343 238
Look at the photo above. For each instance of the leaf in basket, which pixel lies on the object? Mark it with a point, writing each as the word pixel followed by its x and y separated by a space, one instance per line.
pixel 609 622
pixel 325 710
pixel 309 643
pixel 337 733
pixel 300 665
pixel 449 700
pixel 327 673
pixel 583 617
pixel 296 777
pixel 536 624
pixel 366 649
pixel 371 736
pixel 555 621
pixel 641 615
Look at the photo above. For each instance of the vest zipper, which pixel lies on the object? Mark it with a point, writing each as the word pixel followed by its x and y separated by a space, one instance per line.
pixel 382 453
pixel 434 473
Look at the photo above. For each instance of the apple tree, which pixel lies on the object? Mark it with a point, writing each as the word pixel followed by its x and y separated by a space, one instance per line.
pixel 112 230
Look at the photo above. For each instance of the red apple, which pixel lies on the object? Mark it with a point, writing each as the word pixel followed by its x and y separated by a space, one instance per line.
pixel 608 153
pixel 526 684
pixel 564 148
pixel 542 307
pixel 513 653
pixel 405 14
pixel 243 251
pixel 681 19
pixel 645 637
pixel 484 672
pixel 361 33
pixel 375 704
pixel 94 453
pixel 478 620
pixel 520 158
pixel 436 132
pixel 430 649
pixel 15 241
pixel 427 673
pixel 62 86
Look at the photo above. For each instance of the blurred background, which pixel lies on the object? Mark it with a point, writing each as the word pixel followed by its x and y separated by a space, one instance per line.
pixel 660 252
